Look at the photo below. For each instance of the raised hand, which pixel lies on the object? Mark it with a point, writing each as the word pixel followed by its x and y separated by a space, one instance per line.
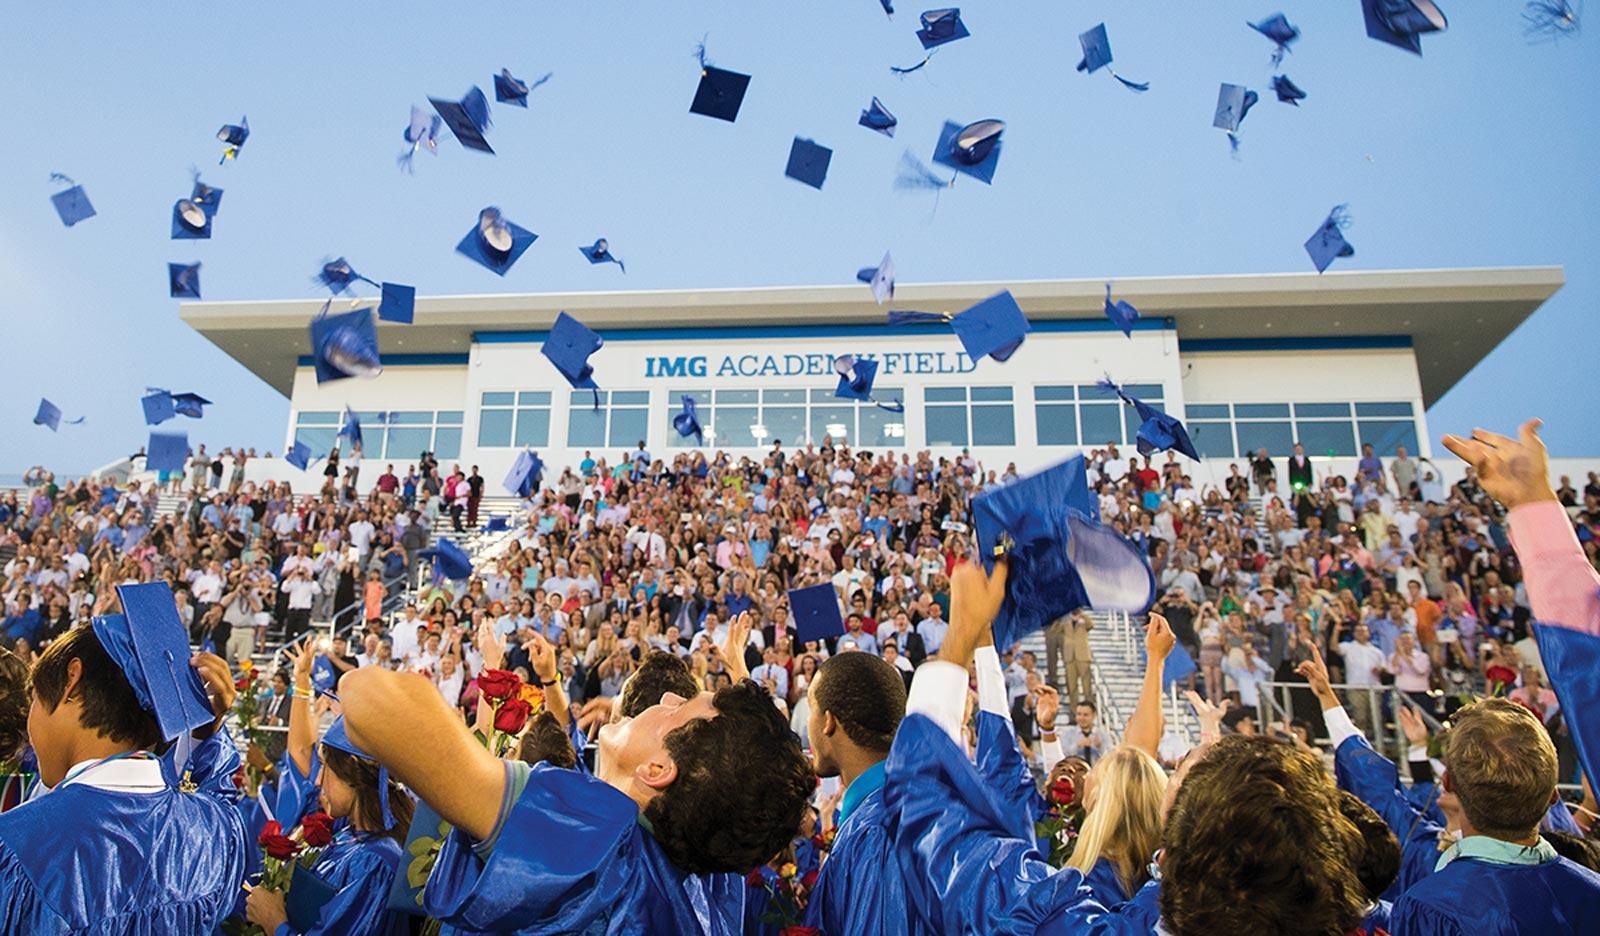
pixel 218 681
pixel 733 646
pixel 305 655
pixel 494 652
pixel 541 657
pixel 1158 638
pixel 1513 471
pixel 1046 705
pixel 1316 674
pixel 975 599
pixel 1210 715
pixel 1412 724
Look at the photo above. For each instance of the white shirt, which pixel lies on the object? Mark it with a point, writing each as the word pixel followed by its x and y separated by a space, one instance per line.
pixel 301 591
pixel 361 535
pixel 1361 662
pixel 207 588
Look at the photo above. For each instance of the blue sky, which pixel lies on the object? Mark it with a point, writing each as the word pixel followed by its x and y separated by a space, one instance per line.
pixel 1480 153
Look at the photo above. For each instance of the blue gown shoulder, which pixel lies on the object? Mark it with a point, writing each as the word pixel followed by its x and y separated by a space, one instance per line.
pixel 362 868
pixel 859 888
pixel 1483 899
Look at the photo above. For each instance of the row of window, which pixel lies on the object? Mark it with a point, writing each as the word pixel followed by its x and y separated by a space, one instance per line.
pixel 1223 430
pixel 399 435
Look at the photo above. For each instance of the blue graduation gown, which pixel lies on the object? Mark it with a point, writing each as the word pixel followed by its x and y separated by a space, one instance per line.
pixel 758 901
pixel 1469 896
pixel 571 856
pixel 859 889
pixel 1377 919
pixel 1000 762
pixel 86 860
pixel 362 867
pixel 1104 883
pixel 1375 780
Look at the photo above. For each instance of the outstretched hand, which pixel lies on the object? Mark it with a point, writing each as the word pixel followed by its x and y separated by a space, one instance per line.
pixel 975 599
pixel 1045 708
pixel 218 681
pixel 733 646
pixel 1210 715
pixel 1316 675
pixel 1513 471
pixel 1158 638
pixel 489 645
pixel 1412 724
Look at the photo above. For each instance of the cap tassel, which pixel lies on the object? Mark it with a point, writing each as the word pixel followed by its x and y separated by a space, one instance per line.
pixel 1138 86
pixel 897 70
pixel 911 317
pixel 1550 19
pixel 383 798
pixel 185 741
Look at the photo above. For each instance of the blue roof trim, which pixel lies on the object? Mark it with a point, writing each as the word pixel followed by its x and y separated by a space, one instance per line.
pixel 404 360
pixel 875 330
pixel 1329 343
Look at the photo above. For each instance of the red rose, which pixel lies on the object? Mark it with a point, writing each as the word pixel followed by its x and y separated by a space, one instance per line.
pixel 754 879
pixel 809 881
pixel 271 829
pixel 512 715
pixel 242 683
pixel 498 684
pixel 316 829
pixel 275 843
pixel 1062 792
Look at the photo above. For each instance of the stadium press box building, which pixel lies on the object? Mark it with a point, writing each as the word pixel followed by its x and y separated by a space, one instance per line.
pixel 1248 361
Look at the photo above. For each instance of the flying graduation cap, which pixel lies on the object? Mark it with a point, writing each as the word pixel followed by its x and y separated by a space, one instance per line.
pixel 877 117
pixel 345 345
pixel 1121 313
pixel 467 118
pixel 808 162
pixel 880 278
pixel 1402 23
pixel 350 428
pixel 150 645
pixel 299 455
pixel 993 328
pixel 183 280
pixel 1282 32
pixel 449 561
pixel 421 133
pixel 568 347
pixel 600 252
pixel 49 416
pixel 524 474
pixel 856 376
pixel 687 422
pixel 720 91
pixel 816 613
pixel 973 149
pixel 166 451
pixel 1287 91
pixel 1061 558
pixel 158 406
pixel 1158 432
pixel 398 303
pixel 1328 243
pixel 191 405
pixel 495 243
pixel 940 27
pixel 1233 103
pixel 72 204
pixel 233 135
pixel 1552 19
pixel 1097 55
pixel 191 217
pixel 514 91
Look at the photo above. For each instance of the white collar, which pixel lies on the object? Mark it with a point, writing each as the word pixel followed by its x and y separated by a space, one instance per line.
pixel 123 775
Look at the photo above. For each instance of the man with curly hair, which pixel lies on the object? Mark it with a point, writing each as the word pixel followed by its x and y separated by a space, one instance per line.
pixel 14 701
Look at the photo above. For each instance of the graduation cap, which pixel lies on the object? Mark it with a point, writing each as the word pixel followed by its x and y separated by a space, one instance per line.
pixel 1233 102
pixel 166 451
pixel 720 91
pixel 345 345
pixel 299 455
pixel 1328 243
pixel 72 204
pixel 1401 23
pixel 1121 313
pixel 338 737
pixel 880 278
pixel 191 405
pixel 234 136
pixel 1177 666
pixel 816 613
pixel 600 252
pixel 158 406
pixel 399 303
pixel 993 328
pixel 687 422
pixel 524 474
pixel 498 523
pixel 191 217
pixel 1278 28
pixel 568 346
pixel 877 117
pixel 1287 91
pixel 337 275
pixel 888 7
pixel 448 560
pixel 941 26
pixel 509 90
pixel 973 149
pixel 808 162
pixel 1158 432
pixel 49 415
pixel 1061 558
pixel 308 893
pixel 183 280
pixel 351 427
pixel 150 645
pixel 421 133
pixel 495 243
pixel 467 118
pixel 1097 55
pixel 855 377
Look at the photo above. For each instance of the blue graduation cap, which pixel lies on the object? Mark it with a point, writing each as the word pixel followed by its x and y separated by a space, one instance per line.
pixel 1401 23
pixel 158 406
pixel 1233 102
pixel 880 278
pixel 449 560
pixel 191 405
pixel 399 303
pixel 877 117
pixel 509 90
pixel 351 428
pixel 467 118
pixel 495 243
pixel 1158 432
pixel 1061 558
pixel 600 252
pixel 993 328
pixel 338 737
pixel 299 455
pixel 568 346
pixel 1178 665
pixel 72 204
pixel 855 377
pixel 422 133
pixel 49 415
pixel 1097 55
pixel 816 613
pixel 941 26
pixel 973 149
pixel 308 893
pixel 183 280
pixel 687 422
pixel 524 474
pixel 1278 28
pixel 1287 91
pixel 191 217
pixel 720 91
pixel 166 451
pixel 808 162
pixel 324 678
pixel 345 345
pixel 234 136
pixel 1328 243
pixel 150 645
pixel 498 523
pixel 1121 313
pixel 337 276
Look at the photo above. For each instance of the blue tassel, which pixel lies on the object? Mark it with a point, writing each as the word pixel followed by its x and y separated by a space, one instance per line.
pixel 1139 86
pixel 915 174
pixel 896 407
pixel 1339 217
pixel 700 52
pixel 895 69
pixel 1233 144
pixel 909 317
pixel 1552 19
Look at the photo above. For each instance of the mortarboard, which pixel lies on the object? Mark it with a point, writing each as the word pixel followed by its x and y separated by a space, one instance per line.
pixel 720 91
pixel 941 26
pixel 1158 432
pixel 191 405
pixel 509 90
pixel 494 242
pixel 524 474
pixel 1551 19
pixel 191 217
pixel 877 117
pixel 350 428
pixel 337 275
pixel 166 451
pixel 1328 243
pixel 880 278
pixel 49 415
pixel 600 252
pixel 150 645
pixel 234 136
pixel 323 676
pixel 1287 91
pixel 1401 23
pixel 855 377
pixel 299 455
pixel 1121 313
pixel 1097 55
pixel 467 118
pixel 816 613
pixel 993 328
pixel 72 204
pixel 568 346
pixel 183 280
pixel 973 149
pixel 448 560
pixel 1061 558
pixel 1278 28
pixel 687 422
pixel 399 303
pixel 888 7
pixel 158 406
pixel 345 345
pixel 338 737
pixel 1177 666
pixel 498 523
pixel 308 893
pixel 1233 102
pixel 808 162
pixel 421 133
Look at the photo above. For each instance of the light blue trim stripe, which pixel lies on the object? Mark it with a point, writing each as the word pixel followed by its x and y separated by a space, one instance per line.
pixel 1329 343
pixel 876 330
pixel 403 360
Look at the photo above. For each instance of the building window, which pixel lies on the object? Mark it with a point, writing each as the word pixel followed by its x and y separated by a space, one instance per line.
pixel 754 418
pixel 1323 429
pixel 969 416
pixel 1089 414
pixel 1385 433
pixel 514 418
pixel 623 418
pixel 401 435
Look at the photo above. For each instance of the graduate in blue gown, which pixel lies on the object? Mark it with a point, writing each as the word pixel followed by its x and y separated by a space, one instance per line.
pixel 122 842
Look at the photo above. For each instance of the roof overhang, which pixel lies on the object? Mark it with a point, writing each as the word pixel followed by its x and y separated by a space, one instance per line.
pixel 1452 317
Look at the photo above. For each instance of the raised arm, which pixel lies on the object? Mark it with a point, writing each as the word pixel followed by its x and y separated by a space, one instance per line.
pixel 1145 725
pixel 302 722
pixel 733 647
pixel 542 659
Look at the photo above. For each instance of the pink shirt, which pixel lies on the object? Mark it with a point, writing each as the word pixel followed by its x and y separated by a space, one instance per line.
pixel 1562 587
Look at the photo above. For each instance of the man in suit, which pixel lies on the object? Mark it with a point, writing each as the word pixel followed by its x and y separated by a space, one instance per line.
pixel 1300 483
pixel 1067 639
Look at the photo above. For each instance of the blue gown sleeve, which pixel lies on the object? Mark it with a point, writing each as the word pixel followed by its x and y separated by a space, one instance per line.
pixel 212 765
pixel 964 871
pixel 359 907
pixel 1137 917
pixel 579 742
pixel 1000 763
pixel 297 792
pixel 567 850
pixel 1572 657
pixel 1375 779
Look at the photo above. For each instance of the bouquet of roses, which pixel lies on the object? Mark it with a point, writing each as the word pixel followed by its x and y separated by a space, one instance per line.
pixel 280 852
pixel 1059 825
pixel 788 891
pixel 512 703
